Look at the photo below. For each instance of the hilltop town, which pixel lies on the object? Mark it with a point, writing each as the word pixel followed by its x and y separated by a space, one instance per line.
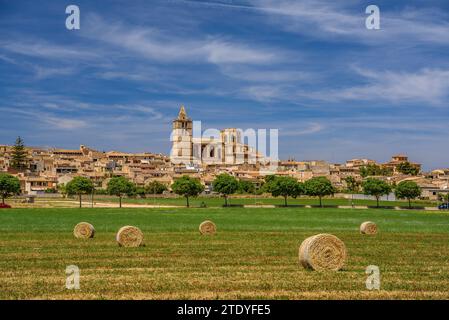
pixel 46 168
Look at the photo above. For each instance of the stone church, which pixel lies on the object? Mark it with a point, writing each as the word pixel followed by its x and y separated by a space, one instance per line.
pixel 227 147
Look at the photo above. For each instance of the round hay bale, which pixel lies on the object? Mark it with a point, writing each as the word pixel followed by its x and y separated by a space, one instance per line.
pixel 208 228
pixel 368 227
pixel 129 236
pixel 84 230
pixel 322 252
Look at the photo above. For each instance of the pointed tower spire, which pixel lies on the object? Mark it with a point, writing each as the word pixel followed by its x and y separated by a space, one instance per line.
pixel 182 113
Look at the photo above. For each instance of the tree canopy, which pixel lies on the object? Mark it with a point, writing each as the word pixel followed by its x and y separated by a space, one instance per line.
pixel 79 186
pixel 352 185
pixel 376 187
pixel 155 187
pixel 407 168
pixel 407 190
pixel 9 186
pixel 120 186
pixel 319 187
pixel 187 187
pixel 226 185
pixel 443 197
pixel 18 155
pixel 375 170
pixel 267 182
pixel 246 187
pixel 286 187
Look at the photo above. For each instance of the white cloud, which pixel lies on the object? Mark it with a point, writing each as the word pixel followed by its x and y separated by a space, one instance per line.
pixel 64 123
pixel 273 74
pixel 429 86
pixel 302 129
pixel 46 72
pixel 336 20
pixel 223 52
pixel 42 49
pixel 263 93
pixel 155 45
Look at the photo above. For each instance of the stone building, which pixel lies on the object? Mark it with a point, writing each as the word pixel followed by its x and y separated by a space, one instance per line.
pixel 225 148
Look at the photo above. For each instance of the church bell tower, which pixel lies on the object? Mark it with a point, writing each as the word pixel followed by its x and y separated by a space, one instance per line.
pixel 181 137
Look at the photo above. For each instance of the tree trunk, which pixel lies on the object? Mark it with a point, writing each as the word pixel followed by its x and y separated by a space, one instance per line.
pixel 226 200
pixel 285 201
pixel 80 200
pixel 377 199
pixel 321 202
pixel 120 201
pixel 409 203
pixel 352 200
pixel 187 199
pixel 3 199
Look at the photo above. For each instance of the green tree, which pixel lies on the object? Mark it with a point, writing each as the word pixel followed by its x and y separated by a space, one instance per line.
pixel 18 155
pixel 266 187
pixel 407 190
pixel 286 187
pixel 62 189
pixel 79 186
pixel 443 197
pixel 187 187
pixel 120 186
pixel 376 187
pixel 375 170
pixel 140 191
pixel 155 187
pixel 319 187
pixel 407 168
pixel 246 187
pixel 352 186
pixel 226 185
pixel 9 186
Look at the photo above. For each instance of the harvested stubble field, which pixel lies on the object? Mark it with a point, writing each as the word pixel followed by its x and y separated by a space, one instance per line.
pixel 254 254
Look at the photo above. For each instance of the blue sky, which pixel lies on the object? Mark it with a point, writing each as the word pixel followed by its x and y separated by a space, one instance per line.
pixel 311 69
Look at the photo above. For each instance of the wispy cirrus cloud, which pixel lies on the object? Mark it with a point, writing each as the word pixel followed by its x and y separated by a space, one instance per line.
pixel 304 129
pixel 427 86
pixel 43 49
pixel 46 72
pixel 336 20
pixel 271 74
pixel 53 120
pixel 153 44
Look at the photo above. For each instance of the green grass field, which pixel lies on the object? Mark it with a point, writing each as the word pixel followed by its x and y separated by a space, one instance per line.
pixel 253 256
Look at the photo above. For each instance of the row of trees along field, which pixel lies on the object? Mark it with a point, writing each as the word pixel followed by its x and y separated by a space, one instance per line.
pixel 117 186
pixel 226 185
pixel 284 186
pixel 377 188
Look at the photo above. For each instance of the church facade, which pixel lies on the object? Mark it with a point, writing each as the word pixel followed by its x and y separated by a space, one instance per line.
pixel 221 147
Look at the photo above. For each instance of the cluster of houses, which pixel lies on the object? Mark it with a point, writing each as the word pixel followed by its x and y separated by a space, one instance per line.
pixel 45 169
